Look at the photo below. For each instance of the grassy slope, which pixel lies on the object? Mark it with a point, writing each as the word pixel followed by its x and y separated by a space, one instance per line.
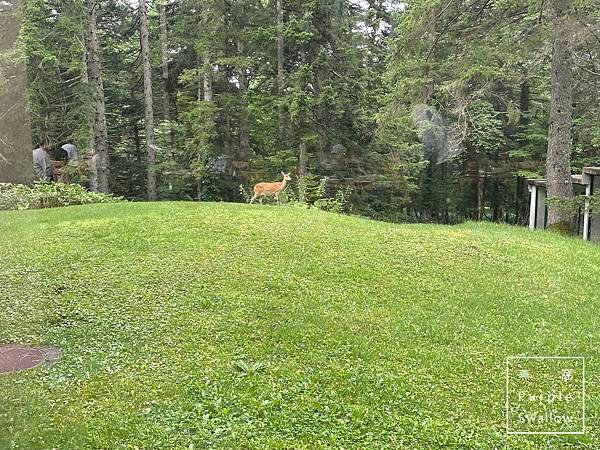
pixel 223 325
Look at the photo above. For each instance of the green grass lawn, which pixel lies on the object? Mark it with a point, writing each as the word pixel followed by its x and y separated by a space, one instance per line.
pixel 187 325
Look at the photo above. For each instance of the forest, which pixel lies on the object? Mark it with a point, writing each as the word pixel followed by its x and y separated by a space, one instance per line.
pixel 403 296
pixel 403 111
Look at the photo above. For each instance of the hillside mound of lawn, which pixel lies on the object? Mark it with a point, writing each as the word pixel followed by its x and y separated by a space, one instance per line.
pixel 186 325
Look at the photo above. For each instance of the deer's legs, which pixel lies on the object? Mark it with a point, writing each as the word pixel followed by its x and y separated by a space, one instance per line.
pixel 277 198
pixel 262 197
pixel 253 198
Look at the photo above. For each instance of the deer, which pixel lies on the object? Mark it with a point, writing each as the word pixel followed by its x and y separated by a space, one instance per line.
pixel 274 189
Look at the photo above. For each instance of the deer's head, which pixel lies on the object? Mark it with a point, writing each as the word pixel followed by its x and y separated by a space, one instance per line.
pixel 286 176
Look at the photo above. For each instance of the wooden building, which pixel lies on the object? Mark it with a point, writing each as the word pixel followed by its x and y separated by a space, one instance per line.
pixel 588 223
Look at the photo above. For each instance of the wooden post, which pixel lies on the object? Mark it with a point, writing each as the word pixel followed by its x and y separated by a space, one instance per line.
pixel 586 215
pixel 594 220
pixel 532 206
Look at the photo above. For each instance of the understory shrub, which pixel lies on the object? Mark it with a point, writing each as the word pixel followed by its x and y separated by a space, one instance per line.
pixel 49 195
pixel 574 207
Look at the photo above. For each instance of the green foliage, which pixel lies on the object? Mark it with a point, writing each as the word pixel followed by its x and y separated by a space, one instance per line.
pixel 60 102
pixel 246 196
pixel 175 179
pixel 485 127
pixel 354 74
pixel 337 204
pixel 314 189
pixel 484 68
pixel 576 204
pixel 200 121
pixel 48 195
pixel 399 149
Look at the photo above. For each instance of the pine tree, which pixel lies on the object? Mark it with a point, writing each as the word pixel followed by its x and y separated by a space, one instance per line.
pixel 100 166
pixel 148 102
pixel 558 161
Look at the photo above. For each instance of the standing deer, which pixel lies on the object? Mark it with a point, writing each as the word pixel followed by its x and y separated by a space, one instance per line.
pixel 274 189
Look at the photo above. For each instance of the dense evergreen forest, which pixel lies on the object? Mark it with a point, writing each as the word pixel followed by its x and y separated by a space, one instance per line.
pixel 422 110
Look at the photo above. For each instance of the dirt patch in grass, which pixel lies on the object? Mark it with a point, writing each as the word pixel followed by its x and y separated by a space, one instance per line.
pixel 18 357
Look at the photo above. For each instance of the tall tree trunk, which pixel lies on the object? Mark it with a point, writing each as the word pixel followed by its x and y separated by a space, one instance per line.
pixel 100 165
pixel 497 205
pixel 138 145
pixel 148 105
pixel 302 168
pixel 280 80
pixel 164 47
pixel 520 191
pixel 480 190
pixel 208 91
pixel 244 154
pixel 524 103
pixel 302 154
pixel 200 78
pixel 445 212
pixel 204 92
pixel 322 119
pixel 558 160
pixel 199 99
pixel 165 60
pixel 227 141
